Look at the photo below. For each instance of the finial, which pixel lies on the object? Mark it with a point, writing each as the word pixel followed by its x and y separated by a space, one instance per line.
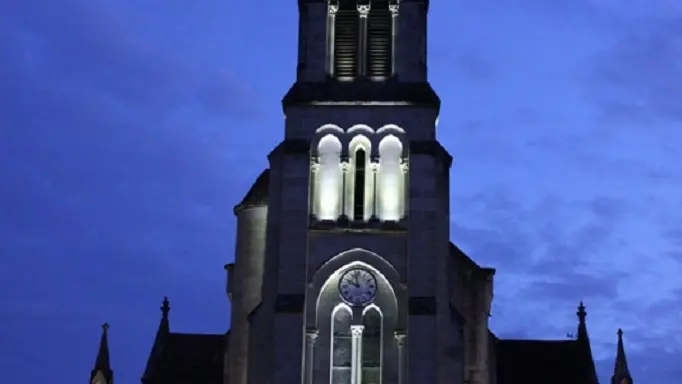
pixel 105 327
pixel 620 334
pixel 581 311
pixel 165 308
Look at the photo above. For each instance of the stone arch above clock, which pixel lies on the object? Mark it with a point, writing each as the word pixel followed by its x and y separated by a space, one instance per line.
pixel 387 276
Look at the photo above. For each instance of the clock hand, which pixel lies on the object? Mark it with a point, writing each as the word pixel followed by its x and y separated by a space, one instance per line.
pixel 354 279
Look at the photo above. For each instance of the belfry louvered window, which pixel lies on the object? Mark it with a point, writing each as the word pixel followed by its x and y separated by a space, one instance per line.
pixel 346 39
pixel 379 41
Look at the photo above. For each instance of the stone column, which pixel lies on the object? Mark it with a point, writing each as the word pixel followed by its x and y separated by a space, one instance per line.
pixel 314 200
pixel 345 167
pixel 363 10
pixel 356 354
pixel 331 22
pixel 400 338
pixel 374 168
pixel 310 338
pixel 404 187
pixel 393 7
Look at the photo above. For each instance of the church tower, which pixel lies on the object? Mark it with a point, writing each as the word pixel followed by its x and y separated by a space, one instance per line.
pixel 342 244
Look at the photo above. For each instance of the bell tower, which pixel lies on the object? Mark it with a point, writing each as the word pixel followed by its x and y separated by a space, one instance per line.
pixel 352 287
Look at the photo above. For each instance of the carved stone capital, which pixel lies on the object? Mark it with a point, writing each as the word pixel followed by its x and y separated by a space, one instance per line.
pixel 311 335
pixel 333 8
pixel 400 338
pixel 356 330
pixel 315 167
pixel 345 166
pixel 363 9
pixel 394 9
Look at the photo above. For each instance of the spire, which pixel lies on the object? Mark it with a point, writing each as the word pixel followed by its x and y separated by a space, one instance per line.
pixel 102 372
pixel 165 309
pixel 160 339
pixel 583 341
pixel 621 373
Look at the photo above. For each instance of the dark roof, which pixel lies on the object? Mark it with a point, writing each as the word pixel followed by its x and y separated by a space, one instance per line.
pixel 191 358
pixel 258 193
pixel 539 362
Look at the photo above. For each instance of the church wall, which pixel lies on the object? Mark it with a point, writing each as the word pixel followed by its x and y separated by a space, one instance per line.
pixel 472 295
pixel 292 236
pixel 289 343
pixel 450 333
pixel 411 45
pixel 246 287
pixel 492 359
pixel 428 243
pixel 284 269
pixel 424 207
pixel 323 246
pixel 418 122
pixel 421 349
pixel 290 248
pixel 313 41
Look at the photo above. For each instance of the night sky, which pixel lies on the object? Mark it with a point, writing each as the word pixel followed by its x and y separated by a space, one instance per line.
pixel 129 129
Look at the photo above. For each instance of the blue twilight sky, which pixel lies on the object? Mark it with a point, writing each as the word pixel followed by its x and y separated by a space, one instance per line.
pixel 128 129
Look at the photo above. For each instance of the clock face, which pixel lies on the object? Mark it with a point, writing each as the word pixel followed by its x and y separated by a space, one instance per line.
pixel 358 286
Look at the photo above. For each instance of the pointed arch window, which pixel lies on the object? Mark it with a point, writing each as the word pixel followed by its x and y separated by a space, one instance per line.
pixel 342 348
pixel 372 341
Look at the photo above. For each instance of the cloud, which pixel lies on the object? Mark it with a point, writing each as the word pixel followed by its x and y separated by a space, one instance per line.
pixel 79 50
pixel 639 78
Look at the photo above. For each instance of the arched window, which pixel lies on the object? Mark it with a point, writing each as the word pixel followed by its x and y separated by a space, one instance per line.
pixel 328 179
pixel 391 179
pixel 379 41
pixel 344 27
pixel 341 353
pixel 359 180
pixel 372 346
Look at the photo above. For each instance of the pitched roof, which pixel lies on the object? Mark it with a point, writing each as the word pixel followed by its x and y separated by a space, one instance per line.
pixel 191 358
pixel 257 194
pixel 539 361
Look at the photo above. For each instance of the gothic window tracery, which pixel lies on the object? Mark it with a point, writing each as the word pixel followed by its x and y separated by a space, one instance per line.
pixel 357 350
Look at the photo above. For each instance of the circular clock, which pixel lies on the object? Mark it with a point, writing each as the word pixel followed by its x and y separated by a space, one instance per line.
pixel 357 286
